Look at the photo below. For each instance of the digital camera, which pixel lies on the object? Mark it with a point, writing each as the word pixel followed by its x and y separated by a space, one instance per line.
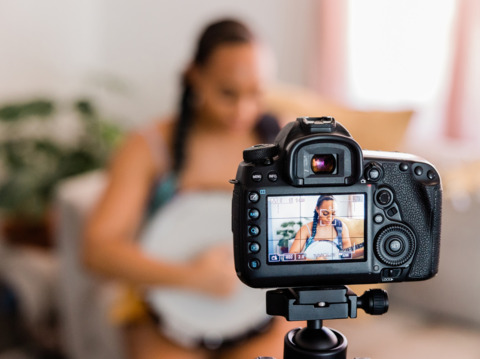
pixel 313 209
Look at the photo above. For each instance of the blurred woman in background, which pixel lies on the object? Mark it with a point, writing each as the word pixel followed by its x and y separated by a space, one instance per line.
pixel 197 149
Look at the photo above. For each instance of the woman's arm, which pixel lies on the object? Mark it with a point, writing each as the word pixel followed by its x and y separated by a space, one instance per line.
pixel 300 239
pixel 110 246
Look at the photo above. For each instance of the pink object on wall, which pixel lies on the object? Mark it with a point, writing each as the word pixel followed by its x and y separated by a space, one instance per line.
pixel 328 67
pixel 462 81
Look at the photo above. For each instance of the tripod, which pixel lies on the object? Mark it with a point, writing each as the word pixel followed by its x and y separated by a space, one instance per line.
pixel 315 305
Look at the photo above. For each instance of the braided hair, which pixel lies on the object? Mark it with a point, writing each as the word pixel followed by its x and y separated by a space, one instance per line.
pixel 320 200
pixel 227 31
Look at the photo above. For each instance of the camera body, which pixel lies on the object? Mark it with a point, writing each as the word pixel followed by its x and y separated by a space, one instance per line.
pixel 313 209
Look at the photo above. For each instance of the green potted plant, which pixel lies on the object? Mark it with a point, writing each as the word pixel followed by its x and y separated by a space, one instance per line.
pixel 288 231
pixel 34 158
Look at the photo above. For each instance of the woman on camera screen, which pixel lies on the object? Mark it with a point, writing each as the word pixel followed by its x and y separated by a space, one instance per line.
pixel 326 237
pixel 195 151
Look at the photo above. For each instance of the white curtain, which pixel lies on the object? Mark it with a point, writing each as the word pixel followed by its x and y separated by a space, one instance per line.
pixel 417 54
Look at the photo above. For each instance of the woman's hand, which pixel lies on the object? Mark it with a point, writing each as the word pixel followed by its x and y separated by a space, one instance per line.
pixel 213 272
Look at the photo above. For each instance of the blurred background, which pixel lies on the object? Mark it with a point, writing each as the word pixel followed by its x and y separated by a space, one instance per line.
pixel 76 75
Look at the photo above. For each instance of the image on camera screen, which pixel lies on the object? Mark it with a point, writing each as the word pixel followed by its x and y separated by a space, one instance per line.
pixel 327 227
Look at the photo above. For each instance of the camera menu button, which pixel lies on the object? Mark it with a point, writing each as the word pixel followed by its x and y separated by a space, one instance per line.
pixel 257 176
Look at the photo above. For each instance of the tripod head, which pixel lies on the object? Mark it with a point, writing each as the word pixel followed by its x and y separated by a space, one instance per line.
pixel 315 305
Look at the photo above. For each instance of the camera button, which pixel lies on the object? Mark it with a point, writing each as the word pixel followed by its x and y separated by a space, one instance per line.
pixel 395 246
pixel 392 211
pixel 254 247
pixel 257 176
pixel 254 231
pixel 418 170
pixel 254 264
pixel 431 175
pixel 253 197
pixel 253 213
pixel 384 197
pixel 374 172
pixel 272 176
pixel 403 167
pixel 391 272
pixel 378 219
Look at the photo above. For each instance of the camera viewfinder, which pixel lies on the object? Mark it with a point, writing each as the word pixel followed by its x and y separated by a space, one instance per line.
pixel 323 164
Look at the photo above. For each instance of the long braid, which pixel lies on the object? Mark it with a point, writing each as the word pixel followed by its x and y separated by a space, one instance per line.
pixel 183 125
pixel 314 225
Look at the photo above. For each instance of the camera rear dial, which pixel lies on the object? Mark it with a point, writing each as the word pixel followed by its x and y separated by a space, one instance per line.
pixel 395 245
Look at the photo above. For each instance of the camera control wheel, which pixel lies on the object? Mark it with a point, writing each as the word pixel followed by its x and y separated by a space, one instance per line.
pixel 395 244
pixel 261 153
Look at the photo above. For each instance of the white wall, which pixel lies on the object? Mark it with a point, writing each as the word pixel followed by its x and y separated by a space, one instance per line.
pixel 138 49
pixel 45 46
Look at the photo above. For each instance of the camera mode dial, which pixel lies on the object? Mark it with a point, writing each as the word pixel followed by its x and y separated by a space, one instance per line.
pixel 263 153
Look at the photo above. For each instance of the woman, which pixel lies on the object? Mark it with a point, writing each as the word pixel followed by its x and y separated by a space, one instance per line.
pixel 324 227
pixel 197 149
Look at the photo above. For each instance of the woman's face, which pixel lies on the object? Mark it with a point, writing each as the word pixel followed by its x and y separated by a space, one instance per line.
pixel 326 212
pixel 230 86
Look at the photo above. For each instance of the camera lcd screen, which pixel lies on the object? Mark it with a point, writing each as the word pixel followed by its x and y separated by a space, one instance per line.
pixel 320 227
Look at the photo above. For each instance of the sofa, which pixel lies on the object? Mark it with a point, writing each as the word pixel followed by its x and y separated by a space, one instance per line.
pixel 85 298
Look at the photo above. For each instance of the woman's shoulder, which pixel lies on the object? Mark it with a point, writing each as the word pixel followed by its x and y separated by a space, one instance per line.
pixel 148 134
pixel 307 227
pixel 162 128
pixel 149 144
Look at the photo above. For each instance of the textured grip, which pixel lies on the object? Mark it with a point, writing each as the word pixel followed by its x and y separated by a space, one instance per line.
pixel 420 205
